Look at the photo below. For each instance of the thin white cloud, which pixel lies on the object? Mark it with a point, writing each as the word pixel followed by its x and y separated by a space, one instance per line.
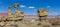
pixel 31 7
pixel 48 6
pixel 22 6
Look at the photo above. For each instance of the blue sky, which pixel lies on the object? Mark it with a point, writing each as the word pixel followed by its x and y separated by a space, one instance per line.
pixel 31 6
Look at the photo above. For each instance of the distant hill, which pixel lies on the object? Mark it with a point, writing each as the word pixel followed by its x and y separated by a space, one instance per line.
pixel 3 14
pixel 31 16
pixel 27 16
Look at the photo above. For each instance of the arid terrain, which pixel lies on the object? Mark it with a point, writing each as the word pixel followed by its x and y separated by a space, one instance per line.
pixel 28 18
